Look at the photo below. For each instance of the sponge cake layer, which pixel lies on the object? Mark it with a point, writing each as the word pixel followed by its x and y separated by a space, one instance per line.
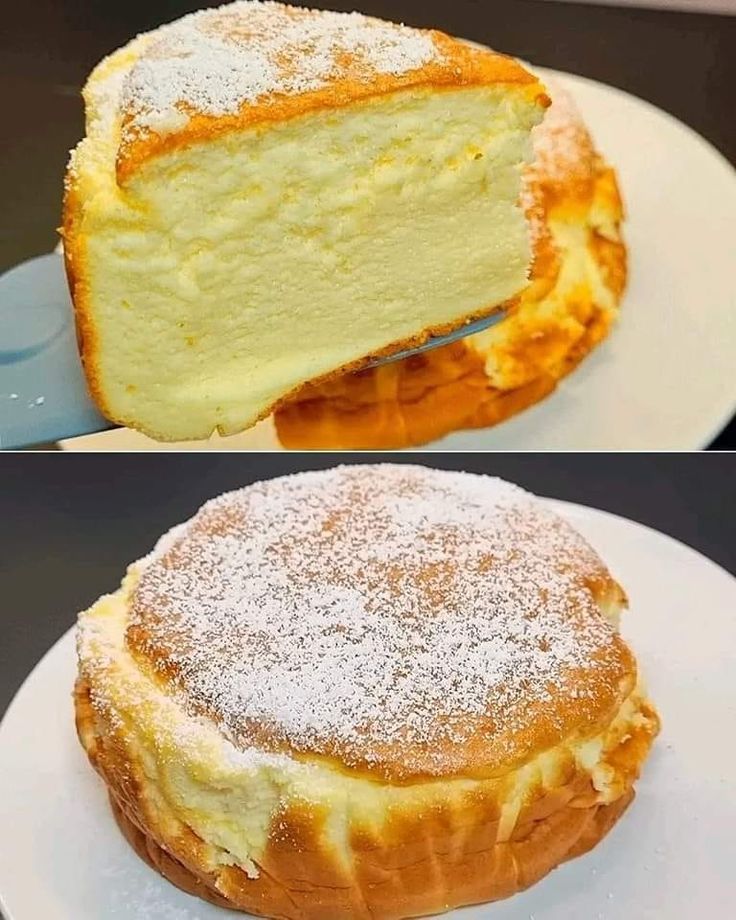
pixel 219 261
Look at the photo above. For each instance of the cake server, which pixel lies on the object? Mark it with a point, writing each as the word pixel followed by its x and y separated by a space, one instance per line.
pixel 43 393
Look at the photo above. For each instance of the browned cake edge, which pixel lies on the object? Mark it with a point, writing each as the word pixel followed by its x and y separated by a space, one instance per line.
pixel 419 863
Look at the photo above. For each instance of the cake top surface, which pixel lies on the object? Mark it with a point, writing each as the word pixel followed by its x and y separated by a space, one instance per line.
pixel 396 618
pixel 247 62
pixel 215 60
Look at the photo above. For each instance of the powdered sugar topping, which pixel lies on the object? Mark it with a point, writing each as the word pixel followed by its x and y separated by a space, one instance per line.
pixel 216 60
pixel 563 152
pixel 350 609
pixel 561 142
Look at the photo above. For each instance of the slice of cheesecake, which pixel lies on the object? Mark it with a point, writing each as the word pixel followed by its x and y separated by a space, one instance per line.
pixel 267 195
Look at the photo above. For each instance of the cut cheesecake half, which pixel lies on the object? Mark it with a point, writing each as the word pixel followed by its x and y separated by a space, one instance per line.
pixel 269 195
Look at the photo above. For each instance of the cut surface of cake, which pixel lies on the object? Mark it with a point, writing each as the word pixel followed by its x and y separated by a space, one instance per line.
pixel 364 693
pixel 267 195
pixel 578 276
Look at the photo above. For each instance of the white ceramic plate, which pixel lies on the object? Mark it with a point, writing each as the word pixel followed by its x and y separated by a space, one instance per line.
pixel 664 379
pixel 671 856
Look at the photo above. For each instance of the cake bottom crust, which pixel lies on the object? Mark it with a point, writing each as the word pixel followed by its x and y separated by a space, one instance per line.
pixel 586 827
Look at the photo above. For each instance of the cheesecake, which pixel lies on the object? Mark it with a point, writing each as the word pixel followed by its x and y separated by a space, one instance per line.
pixel 269 195
pixel 364 693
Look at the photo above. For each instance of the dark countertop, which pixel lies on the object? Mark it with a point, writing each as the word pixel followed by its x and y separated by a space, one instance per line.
pixel 74 521
pixel 683 62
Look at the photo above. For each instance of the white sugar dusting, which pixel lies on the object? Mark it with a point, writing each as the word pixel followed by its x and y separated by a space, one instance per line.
pixel 357 607
pixel 561 143
pixel 101 654
pixel 216 60
pixel 562 152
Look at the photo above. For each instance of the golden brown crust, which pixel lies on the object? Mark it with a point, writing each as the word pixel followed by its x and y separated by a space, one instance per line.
pixel 461 65
pixel 353 75
pixel 415 864
pixel 164 632
pixel 504 874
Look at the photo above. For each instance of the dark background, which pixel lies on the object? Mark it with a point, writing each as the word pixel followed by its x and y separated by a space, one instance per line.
pixel 683 62
pixel 70 523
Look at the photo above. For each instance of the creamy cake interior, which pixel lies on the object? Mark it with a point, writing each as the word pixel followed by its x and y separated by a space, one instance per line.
pixel 220 257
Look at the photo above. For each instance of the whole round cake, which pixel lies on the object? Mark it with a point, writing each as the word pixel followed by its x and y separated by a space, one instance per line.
pixel 364 692
pixel 574 213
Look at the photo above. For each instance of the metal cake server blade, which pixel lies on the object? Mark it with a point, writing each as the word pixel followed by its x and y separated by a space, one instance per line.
pixel 43 394
pixel 434 341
